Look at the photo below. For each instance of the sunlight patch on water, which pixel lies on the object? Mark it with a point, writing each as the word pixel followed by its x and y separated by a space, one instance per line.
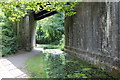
pixel 53 51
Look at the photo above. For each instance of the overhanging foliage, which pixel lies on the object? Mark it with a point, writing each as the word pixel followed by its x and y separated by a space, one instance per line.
pixel 15 10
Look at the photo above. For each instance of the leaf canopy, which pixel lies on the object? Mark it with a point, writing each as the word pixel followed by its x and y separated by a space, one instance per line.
pixel 15 10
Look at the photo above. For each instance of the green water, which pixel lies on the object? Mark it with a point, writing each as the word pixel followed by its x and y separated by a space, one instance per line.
pixel 67 66
pixel 62 65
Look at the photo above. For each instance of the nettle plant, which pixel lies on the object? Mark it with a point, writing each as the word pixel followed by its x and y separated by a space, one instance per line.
pixel 15 10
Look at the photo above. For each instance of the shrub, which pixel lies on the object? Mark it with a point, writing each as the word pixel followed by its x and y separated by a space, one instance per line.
pixel 9 38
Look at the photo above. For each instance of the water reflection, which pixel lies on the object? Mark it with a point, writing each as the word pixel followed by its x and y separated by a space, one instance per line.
pixel 64 65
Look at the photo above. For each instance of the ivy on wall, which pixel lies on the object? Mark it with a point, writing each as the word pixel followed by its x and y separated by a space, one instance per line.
pixel 15 10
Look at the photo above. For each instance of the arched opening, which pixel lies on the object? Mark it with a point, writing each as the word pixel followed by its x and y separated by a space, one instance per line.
pixel 50 31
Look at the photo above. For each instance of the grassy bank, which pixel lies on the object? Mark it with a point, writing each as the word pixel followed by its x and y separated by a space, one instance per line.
pixel 35 66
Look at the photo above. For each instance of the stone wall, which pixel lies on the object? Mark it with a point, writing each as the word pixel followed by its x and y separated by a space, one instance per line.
pixel 26 32
pixel 93 34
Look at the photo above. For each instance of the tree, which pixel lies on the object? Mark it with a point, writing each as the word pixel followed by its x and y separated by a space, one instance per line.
pixel 51 29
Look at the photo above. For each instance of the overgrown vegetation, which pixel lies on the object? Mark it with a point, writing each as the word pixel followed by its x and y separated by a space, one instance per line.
pixel 50 30
pixel 15 10
pixel 63 66
pixel 51 33
pixel 9 39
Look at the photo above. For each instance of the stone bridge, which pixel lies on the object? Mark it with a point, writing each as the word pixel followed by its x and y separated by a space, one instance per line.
pixel 93 33
pixel 26 28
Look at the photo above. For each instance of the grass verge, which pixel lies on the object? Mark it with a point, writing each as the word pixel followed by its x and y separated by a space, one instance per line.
pixel 35 66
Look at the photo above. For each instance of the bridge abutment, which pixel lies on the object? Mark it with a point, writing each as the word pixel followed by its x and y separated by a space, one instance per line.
pixel 26 32
pixel 92 34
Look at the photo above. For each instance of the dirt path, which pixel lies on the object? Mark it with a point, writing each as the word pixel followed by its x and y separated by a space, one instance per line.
pixel 13 65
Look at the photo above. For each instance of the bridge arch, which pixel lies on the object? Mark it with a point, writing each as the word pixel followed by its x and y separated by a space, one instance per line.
pixel 26 28
pixel 91 34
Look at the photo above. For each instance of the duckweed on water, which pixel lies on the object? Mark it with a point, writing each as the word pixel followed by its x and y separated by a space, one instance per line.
pixel 65 66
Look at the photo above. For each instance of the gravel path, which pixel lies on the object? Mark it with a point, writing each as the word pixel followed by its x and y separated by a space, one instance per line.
pixel 13 65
